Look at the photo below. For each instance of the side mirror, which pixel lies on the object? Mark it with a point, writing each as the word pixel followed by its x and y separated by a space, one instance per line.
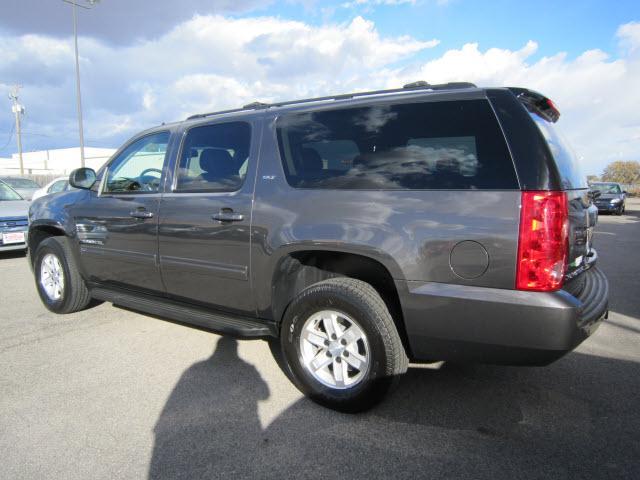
pixel 83 178
pixel 624 191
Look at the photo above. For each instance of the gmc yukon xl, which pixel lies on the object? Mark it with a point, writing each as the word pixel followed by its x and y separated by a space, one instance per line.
pixel 359 232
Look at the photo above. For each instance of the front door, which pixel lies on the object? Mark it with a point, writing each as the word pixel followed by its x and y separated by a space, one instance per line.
pixel 204 230
pixel 117 229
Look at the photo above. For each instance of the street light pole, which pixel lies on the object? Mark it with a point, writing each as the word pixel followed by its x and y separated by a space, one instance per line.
pixel 74 7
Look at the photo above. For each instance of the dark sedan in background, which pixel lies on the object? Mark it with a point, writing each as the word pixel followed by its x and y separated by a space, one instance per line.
pixel 14 223
pixel 609 197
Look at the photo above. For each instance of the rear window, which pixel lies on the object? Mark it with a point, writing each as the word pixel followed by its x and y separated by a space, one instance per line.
pixel 433 145
pixel 564 156
pixel 21 183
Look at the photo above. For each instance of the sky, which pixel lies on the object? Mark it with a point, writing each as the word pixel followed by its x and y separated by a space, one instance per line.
pixel 144 62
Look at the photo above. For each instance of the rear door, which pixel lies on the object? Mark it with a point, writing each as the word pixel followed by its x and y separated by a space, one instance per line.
pixel 205 217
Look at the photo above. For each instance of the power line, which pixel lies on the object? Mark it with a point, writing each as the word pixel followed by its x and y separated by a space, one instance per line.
pixel 37 134
pixel 13 129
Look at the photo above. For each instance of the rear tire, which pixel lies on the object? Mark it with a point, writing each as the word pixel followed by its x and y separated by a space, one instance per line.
pixel 340 345
pixel 59 284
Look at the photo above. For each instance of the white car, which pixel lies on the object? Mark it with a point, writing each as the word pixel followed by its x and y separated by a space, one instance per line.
pixel 56 185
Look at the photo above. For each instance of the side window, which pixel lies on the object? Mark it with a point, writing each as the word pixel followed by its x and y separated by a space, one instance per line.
pixel 58 186
pixel 413 146
pixel 214 158
pixel 139 167
pixel 563 154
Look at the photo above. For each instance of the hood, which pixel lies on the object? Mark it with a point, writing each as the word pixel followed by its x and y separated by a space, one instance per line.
pixel 14 208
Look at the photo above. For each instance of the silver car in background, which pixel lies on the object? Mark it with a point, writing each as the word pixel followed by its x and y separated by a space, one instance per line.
pixel 24 186
pixel 14 223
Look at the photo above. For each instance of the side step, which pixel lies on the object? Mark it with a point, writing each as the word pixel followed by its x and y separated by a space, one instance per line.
pixel 218 322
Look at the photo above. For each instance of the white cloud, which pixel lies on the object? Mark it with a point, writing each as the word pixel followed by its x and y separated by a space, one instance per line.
pixel 629 35
pixel 216 62
pixel 362 3
pixel 597 95
pixel 205 63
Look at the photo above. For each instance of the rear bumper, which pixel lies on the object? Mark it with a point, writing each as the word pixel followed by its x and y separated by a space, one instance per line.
pixel 489 325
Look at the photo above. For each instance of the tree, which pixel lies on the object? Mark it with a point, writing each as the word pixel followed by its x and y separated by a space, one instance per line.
pixel 622 172
pixel 593 178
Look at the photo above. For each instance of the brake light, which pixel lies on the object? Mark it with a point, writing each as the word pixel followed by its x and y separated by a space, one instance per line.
pixel 543 241
pixel 555 113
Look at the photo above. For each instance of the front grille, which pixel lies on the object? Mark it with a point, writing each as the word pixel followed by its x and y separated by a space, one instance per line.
pixel 12 222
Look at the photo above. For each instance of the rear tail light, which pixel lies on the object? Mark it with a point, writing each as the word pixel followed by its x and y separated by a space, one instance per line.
pixel 543 241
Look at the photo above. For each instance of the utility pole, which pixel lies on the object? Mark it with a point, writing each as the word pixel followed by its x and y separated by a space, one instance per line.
pixel 18 110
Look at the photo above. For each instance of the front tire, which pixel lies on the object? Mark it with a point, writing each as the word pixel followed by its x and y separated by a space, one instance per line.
pixel 59 284
pixel 340 345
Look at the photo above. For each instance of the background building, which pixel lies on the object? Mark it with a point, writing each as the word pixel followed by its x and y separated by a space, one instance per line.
pixel 54 162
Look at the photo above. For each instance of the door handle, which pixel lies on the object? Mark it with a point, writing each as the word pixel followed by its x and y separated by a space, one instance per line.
pixel 140 214
pixel 227 215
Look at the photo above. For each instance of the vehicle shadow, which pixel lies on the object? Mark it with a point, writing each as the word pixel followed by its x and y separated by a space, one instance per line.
pixel 565 420
pixel 210 420
pixel 12 254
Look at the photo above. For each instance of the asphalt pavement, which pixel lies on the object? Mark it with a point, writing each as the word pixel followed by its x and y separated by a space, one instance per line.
pixel 109 393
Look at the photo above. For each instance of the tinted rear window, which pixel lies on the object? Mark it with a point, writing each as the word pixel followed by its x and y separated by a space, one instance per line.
pixel 433 145
pixel 564 156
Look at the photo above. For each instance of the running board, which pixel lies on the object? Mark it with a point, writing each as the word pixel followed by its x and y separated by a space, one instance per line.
pixel 218 322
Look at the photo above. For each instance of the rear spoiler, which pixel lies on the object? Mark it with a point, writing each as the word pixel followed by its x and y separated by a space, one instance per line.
pixel 537 103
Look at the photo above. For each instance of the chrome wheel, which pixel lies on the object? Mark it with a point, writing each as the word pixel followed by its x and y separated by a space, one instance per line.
pixel 334 349
pixel 52 277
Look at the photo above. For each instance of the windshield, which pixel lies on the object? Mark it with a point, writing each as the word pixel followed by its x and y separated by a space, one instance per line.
pixel 606 187
pixel 566 160
pixel 21 182
pixel 8 193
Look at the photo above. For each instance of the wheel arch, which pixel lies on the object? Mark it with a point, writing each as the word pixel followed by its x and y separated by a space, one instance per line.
pixel 298 269
pixel 39 231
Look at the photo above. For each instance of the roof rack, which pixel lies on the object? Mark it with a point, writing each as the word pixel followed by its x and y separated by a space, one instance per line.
pixel 419 85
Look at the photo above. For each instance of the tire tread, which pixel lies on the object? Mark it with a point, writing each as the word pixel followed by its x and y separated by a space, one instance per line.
pixel 367 299
pixel 79 296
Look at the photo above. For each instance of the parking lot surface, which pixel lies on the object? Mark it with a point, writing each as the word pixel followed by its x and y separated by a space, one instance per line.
pixel 109 393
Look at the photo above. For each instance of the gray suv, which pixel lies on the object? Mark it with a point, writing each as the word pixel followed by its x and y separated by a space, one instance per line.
pixel 358 232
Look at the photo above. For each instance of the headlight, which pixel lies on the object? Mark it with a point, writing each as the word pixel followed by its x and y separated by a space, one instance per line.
pixel 615 200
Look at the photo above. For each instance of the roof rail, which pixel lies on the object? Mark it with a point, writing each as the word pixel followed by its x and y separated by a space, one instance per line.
pixel 419 85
